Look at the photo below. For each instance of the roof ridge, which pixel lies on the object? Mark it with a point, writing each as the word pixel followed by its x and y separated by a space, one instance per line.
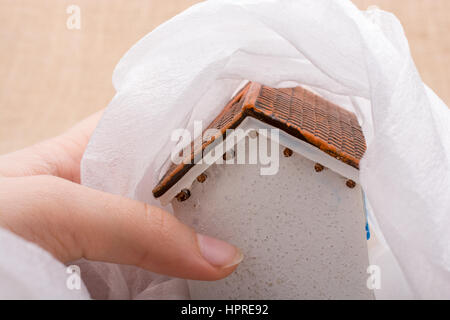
pixel 297 113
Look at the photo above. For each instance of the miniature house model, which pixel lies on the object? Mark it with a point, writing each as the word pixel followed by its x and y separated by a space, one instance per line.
pixel 302 229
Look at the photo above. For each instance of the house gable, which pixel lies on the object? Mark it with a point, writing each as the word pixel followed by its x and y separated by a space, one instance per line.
pixel 295 111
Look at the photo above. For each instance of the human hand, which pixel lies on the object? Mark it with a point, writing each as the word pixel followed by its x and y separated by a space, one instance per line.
pixel 42 201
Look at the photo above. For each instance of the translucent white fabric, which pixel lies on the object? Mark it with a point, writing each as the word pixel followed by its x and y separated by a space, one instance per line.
pixel 189 67
pixel 29 272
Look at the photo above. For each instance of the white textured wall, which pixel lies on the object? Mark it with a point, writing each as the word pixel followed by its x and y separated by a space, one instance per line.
pixel 302 232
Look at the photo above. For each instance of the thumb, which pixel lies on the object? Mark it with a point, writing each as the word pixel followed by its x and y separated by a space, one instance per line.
pixel 110 228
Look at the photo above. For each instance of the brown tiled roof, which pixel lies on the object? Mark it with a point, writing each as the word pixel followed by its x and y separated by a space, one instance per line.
pixel 296 111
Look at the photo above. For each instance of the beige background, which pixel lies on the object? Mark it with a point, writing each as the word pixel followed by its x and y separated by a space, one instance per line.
pixel 51 77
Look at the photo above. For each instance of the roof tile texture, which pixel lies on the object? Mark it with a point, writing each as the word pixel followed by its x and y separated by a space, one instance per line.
pixel 324 124
pixel 296 111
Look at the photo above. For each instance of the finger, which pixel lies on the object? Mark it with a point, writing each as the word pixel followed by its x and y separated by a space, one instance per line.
pixel 103 227
pixel 59 156
pixel 70 146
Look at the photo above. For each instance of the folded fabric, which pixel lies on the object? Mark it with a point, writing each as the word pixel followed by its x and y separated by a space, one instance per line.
pixel 189 67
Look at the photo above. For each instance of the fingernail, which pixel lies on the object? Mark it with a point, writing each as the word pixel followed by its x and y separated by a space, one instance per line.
pixel 218 252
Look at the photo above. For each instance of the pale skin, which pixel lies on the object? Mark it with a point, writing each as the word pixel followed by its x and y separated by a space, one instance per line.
pixel 42 201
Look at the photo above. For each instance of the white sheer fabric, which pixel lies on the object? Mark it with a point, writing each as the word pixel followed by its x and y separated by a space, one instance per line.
pixel 188 68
